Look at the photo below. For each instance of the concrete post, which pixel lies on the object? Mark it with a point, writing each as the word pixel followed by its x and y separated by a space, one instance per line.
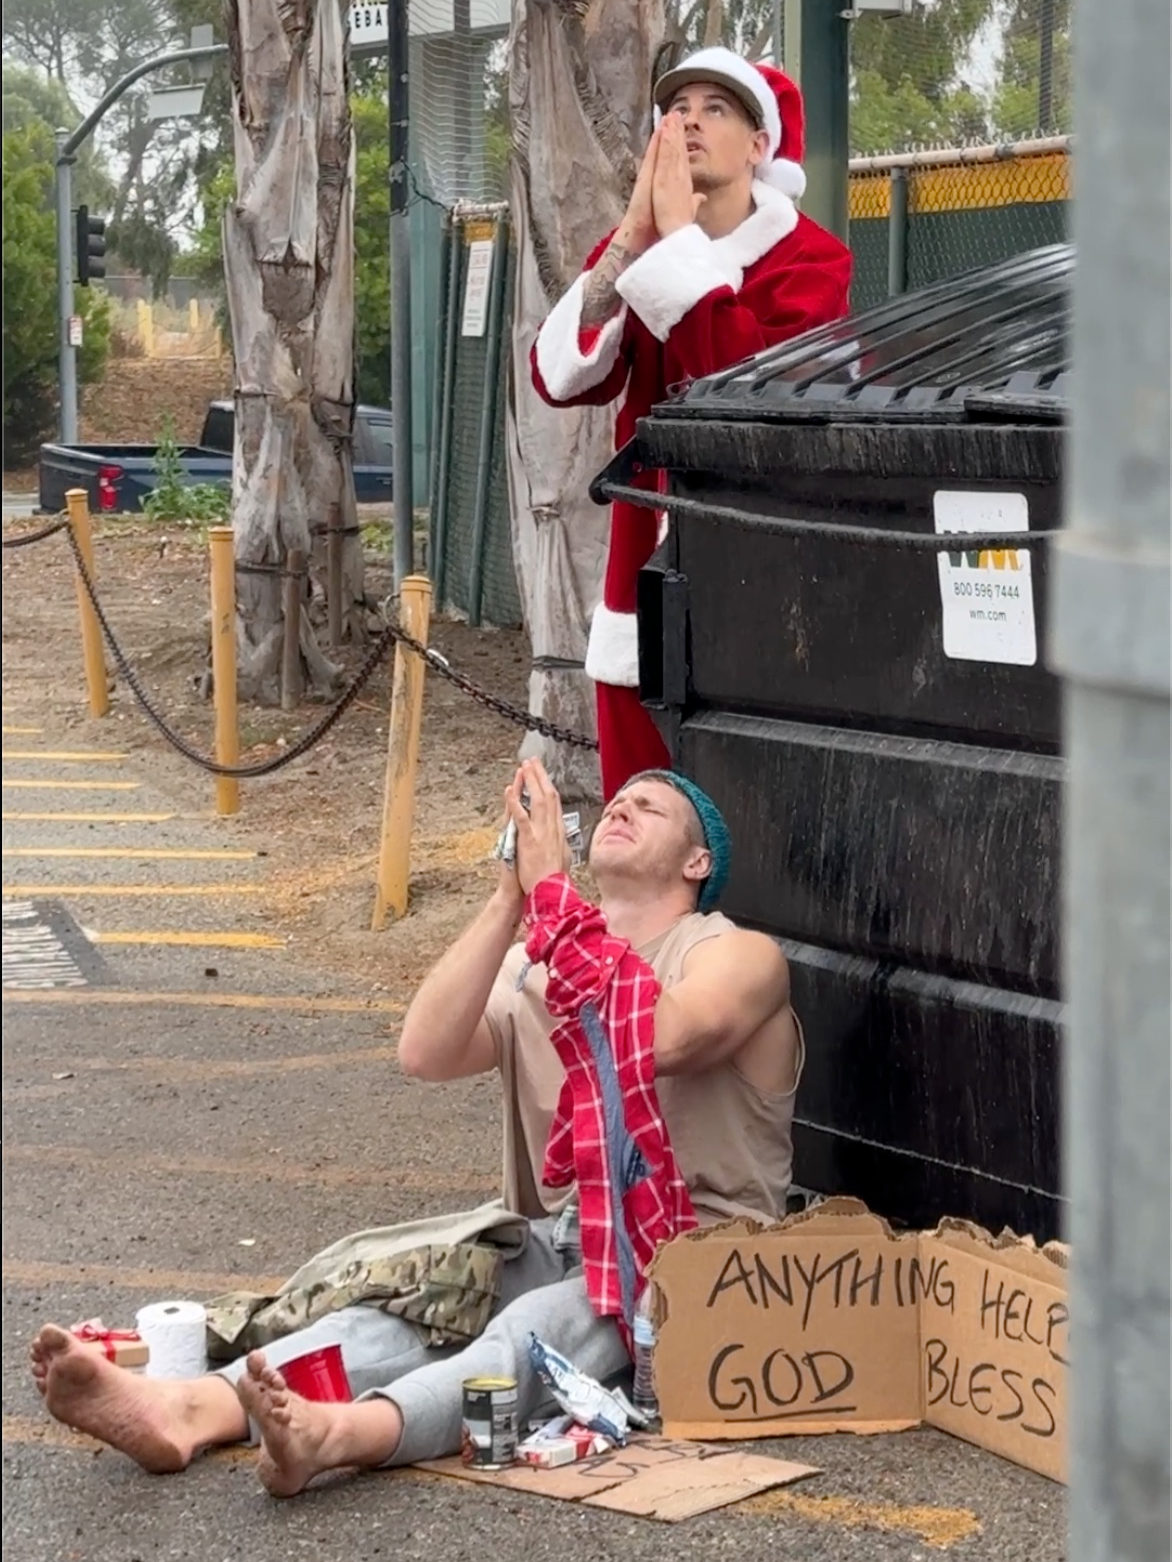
pixel 1111 644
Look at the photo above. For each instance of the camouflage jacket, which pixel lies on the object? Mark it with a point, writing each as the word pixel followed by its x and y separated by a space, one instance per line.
pixel 442 1275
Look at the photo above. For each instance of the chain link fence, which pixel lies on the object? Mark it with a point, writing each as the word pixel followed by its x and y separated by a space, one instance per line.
pixel 916 218
pixel 470 542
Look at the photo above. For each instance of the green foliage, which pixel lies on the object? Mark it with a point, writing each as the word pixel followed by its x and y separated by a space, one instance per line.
pixel 372 258
pixel 30 98
pixel 174 500
pixel 30 291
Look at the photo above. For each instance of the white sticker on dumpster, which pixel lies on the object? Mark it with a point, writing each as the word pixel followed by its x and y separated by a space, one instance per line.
pixel 987 593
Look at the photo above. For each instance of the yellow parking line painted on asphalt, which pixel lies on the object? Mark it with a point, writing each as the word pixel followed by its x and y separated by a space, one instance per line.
pixel 286 1002
pixel 83 818
pixel 24 732
pixel 130 891
pixel 128 853
pixel 178 1071
pixel 71 786
pixel 51 1434
pixel 64 756
pixel 179 1281
pixel 939 1528
pixel 194 940
pixel 46 1433
pixel 260 1169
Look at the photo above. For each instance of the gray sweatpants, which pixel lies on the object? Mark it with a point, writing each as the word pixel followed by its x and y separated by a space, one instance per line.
pixel 543 1292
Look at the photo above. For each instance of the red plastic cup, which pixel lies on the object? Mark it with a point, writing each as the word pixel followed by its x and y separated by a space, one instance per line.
pixel 319 1375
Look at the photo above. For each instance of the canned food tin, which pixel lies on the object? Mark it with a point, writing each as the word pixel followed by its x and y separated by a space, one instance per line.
pixel 489 1440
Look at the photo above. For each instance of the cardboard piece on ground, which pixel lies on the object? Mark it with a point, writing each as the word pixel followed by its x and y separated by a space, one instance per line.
pixel 652 1478
pixel 830 1321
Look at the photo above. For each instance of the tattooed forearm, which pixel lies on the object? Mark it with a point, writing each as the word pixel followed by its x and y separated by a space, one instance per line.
pixel 601 301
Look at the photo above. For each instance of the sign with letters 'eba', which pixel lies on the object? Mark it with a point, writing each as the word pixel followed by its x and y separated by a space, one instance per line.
pixel 830 1321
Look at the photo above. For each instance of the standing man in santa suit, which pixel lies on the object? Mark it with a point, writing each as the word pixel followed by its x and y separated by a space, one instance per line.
pixel 711 263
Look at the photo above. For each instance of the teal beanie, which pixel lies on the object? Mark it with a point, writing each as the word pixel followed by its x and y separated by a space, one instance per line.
pixel 716 836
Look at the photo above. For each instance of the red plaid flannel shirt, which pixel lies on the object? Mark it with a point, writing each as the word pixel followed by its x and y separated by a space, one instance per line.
pixel 588 969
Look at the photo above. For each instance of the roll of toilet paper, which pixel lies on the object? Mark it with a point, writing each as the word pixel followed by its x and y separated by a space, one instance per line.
pixel 176 1333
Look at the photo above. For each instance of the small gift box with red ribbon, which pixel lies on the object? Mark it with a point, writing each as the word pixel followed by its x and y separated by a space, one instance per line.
pixel 124 1347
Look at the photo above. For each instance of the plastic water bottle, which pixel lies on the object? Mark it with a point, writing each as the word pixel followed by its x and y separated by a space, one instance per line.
pixel 644 1397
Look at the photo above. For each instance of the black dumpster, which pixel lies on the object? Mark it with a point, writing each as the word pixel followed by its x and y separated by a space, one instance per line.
pixel 873 713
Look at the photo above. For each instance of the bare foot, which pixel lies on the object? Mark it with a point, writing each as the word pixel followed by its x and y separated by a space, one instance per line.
pixel 297 1435
pixel 138 1416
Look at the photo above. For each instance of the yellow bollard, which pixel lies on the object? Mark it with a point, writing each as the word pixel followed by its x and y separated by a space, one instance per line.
pixel 223 560
pixel 77 503
pixel 394 856
pixel 146 327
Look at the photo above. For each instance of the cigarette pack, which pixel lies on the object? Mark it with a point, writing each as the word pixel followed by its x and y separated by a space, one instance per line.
pixel 547 1453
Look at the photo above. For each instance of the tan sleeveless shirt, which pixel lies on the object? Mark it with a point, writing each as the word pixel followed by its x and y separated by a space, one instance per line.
pixel 733 1142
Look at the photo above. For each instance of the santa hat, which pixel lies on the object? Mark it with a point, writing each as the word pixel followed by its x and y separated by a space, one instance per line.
pixel 769 97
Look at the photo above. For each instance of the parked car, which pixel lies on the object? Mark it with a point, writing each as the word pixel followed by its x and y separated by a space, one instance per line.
pixel 119 477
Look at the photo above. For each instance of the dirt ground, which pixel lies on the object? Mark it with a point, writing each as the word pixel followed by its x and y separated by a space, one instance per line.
pixel 319 819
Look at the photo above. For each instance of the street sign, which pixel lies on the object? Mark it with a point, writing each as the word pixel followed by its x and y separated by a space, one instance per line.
pixel 75 331
pixel 175 102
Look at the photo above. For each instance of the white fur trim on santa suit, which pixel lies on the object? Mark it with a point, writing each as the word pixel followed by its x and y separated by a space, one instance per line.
pixel 673 276
pixel 722 64
pixel 612 652
pixel 567 371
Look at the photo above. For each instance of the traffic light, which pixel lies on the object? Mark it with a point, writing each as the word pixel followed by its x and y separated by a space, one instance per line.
pixel 91 247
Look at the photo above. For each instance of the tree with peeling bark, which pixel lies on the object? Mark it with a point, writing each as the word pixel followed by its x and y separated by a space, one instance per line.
pixel 289 273
pixel 580 76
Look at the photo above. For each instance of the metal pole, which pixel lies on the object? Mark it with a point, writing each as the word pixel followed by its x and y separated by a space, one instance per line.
pixel 437 390
pixel 897 232
pixel 400 244
pixel 1111 644
pixel 439 566
pixel 291 629
pixel 1046 67
pixel 778 33
pixel 66 352
pixel 488 410
pixel 817 50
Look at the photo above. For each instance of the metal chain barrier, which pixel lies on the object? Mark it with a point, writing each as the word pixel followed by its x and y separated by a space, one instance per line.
pixel 859 536
pixel 26 539
pixel 389 636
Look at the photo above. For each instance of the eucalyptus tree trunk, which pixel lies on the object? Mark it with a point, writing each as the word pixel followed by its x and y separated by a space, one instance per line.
pixel 289 270
pixel 580 100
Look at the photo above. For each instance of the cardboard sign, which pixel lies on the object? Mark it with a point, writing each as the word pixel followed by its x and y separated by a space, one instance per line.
pixel 794 1328
pixel 652 1478
pixel 993 1347
pixel 830 1321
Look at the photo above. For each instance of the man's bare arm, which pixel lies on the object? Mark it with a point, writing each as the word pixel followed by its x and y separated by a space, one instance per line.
pixel 445 1034
pixel 731 986
pixel 601 301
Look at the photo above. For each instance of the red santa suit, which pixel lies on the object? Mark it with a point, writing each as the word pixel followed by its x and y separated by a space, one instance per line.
pixel 691 306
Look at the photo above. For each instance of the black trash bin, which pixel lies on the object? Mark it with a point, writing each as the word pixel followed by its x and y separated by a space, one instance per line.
pixel 877 721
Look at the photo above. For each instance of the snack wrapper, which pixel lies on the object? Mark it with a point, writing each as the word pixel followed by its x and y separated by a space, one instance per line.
pixel 583 1398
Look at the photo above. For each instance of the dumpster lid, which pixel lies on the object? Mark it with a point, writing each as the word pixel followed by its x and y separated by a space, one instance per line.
pixel 990 345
